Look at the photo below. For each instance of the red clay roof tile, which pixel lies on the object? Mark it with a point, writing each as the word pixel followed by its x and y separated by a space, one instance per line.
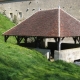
pixel 48 23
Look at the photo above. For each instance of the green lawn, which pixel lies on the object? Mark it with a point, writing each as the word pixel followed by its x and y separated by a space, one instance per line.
pixel 19 63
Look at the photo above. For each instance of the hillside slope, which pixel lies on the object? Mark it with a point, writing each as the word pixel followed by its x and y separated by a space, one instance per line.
pixel 19 63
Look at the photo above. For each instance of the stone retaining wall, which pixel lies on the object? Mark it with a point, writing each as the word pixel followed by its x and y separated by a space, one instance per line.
pixel 68 55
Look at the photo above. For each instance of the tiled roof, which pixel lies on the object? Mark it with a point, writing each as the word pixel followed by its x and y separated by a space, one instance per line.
pixel 48 23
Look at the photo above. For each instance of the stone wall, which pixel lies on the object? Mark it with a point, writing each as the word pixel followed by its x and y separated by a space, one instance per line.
pixel 24 9
pixel 68 55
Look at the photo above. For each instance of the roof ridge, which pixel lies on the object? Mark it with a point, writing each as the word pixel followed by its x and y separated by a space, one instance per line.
pixel 59 21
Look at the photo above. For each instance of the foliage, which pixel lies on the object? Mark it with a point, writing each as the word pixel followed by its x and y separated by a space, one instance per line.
pixel 19 63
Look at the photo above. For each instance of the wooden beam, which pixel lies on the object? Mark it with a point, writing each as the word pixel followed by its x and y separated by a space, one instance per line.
pixel 62 38
pixel 19 39
pixel 56 39
pixel 75 38
pixel 25 40
pixel 78 39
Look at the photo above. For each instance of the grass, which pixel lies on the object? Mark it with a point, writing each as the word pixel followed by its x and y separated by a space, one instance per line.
pixel 19 63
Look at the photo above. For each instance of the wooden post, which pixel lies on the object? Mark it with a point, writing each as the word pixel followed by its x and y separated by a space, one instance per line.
pixel 38 40
pixel 18 40
pixel 37 43
pixel 5 38
pixel 74 38
pixel 59 44
pixel 79 40
pixel 25 40
pixel 55 39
